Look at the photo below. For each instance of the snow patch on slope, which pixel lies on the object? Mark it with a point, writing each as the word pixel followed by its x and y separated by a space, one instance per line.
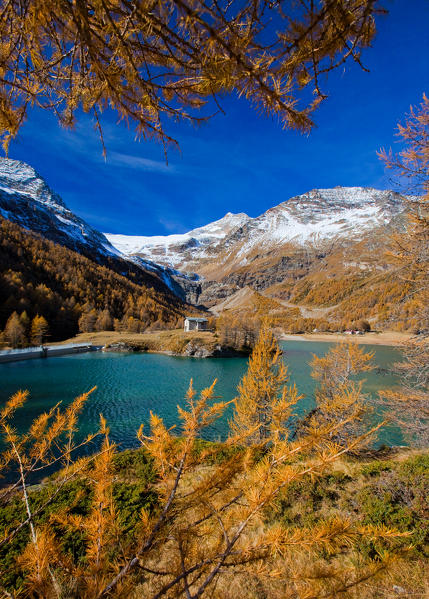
pixel 169 249
pixel 26 199
pixel 318 215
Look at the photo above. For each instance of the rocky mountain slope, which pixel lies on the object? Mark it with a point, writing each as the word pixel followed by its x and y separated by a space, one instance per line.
pixel 323 251
pixel 27 200
pixel 316 216
pixel 279 247
pixel 181 251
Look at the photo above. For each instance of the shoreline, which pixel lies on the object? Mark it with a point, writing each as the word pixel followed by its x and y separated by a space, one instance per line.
pixel 390 338
pixel 174 342
pixel 205 345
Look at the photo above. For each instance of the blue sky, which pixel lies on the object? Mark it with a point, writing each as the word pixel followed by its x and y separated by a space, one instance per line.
pixel 240 161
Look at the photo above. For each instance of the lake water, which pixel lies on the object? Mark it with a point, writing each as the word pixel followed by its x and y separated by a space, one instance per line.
pixel 129 386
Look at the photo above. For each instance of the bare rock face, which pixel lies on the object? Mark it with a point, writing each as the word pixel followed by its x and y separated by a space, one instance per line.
pixel 197 351
pixel 213 292
pixel 189 288
pixel 282 244
pixel 27 200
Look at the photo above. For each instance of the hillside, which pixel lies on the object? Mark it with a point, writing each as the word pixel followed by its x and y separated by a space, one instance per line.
pixel 38 276
pixel 27 200
pixel 322 255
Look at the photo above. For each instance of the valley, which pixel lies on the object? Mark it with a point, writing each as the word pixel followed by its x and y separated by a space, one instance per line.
pixel 322 255
pixel 316 261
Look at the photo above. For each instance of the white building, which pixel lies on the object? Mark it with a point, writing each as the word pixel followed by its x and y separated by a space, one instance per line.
pixel 195 324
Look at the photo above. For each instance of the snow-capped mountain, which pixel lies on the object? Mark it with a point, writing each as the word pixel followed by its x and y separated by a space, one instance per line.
pixel 278 247
pixel 27 200
pixel 282 244
pixel 182 249
pixel 325 214
pixel 316 216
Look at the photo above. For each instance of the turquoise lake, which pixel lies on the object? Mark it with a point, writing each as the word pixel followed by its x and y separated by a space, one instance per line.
pixel 131 385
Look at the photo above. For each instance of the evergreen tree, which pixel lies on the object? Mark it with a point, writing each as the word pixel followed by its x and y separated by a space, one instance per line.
pixel 133 325
pixel 25 321
pixel 264 401
pixel 87 321
pixel 340 403
pixel 363 325
pixel 104 321
pixel 39 329
pixel 14 331
pixel 410 254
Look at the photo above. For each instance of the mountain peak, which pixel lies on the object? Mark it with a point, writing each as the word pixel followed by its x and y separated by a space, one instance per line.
pixel 16 169
pixel 222 226
pixel 27 200
pixel 17 177
pixel 317 215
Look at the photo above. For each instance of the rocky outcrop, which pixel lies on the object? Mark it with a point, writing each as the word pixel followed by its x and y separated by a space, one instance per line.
pixel 193 349
pixel 189 288
pixel 122 347
pixel 197 351
pixel 218 351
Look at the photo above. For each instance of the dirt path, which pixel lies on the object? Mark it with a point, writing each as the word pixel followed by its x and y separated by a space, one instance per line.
pixel 385 338
pixel 306 311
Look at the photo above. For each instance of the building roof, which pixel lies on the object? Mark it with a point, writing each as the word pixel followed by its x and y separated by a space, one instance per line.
pixel 194 319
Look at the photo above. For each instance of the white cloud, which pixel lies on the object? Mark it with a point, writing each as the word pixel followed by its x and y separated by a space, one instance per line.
pixel 173 225
pixel 136 162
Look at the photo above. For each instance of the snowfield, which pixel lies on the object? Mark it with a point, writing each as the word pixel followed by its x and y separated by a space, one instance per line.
pixel 342 213
pixel 318 215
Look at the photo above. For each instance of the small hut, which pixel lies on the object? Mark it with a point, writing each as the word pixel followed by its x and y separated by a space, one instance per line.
pixel 195 324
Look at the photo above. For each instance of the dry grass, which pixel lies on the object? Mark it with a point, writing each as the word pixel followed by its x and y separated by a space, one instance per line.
pixel 173 341
pixel 383 338
pixel 298 573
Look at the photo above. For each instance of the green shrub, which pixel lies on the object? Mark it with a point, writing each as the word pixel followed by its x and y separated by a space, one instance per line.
pixel 375 468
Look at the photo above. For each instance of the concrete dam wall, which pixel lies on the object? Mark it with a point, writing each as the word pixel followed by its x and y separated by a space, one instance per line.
pixel 45 351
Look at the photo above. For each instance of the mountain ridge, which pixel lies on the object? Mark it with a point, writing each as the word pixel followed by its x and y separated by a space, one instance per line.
pixel 307 244
pixel 324 248
pixel 21 187
pixel 27 200
pixel 315 216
